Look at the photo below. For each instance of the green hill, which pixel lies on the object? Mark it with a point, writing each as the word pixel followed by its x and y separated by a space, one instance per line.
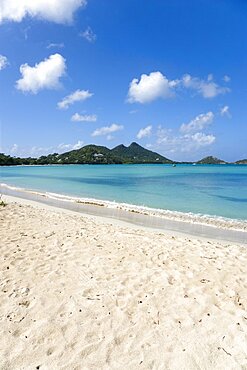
pixel 211 160
pixel 241 161
pixel 96 154
pixel 92 154
pixel 137 154
pixel 87 155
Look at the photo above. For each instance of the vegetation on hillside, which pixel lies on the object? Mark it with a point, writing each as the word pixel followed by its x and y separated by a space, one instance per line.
pixel 211 160
pixel 242 161
pixel 95 154
pixel 92 154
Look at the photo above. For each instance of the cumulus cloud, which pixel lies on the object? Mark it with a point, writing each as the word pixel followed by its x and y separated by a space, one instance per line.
pixel 3 62
pixel 156 85
pixel 88 35
pixel 207 88
pixel 78 95
pixel 150 87
pixel 200 139
pixel 44 75
pixel 224 111
pixel 198 123
pixel 59 11
pixel 167 140
pixel 84 118
pixel 144 132
pixel 106 130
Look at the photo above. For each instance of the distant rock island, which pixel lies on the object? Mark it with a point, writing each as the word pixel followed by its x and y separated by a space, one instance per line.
pixel 211 160
pixel 95 154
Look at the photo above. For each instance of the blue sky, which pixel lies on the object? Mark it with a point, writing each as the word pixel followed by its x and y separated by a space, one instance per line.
pixel 169 74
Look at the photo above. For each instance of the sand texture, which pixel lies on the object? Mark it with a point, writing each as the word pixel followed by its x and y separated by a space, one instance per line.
pixel 83 293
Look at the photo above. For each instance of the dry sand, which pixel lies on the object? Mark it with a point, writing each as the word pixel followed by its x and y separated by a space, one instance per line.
pixel 80 292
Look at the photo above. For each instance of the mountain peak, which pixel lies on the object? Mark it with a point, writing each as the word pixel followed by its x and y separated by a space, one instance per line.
pixel 121 146
pixel 134 144
pixel 135 153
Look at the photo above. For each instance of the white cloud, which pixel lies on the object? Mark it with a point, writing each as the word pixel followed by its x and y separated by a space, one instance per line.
pixel 3 62
pixel 173 143
pixel 144 132
pixel 55 45
pixel 37 151
pixel 226 78
pixel 67 147
pixel 224 111
pixel 78 145
pixel 156 85
pixel 59 11
pixel 44 75
pixel 61 148
pixel 107 130
pixel 207 88
pixel 84 118
pixel 150 87
pixel 198 123
pixel 200 139
pixel 88 35
pixel 78 95
pixel 14 149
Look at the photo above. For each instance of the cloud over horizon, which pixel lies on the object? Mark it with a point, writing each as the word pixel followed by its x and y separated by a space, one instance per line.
pixel 171 142
pixel 198 123
pixel 37 151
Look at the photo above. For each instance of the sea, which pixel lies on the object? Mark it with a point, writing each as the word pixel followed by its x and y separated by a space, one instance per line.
pixel 214 190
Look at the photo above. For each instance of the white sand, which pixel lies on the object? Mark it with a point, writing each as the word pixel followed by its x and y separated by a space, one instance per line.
pixel 85 293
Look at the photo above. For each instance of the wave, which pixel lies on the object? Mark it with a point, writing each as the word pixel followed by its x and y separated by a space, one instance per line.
pixel 184 217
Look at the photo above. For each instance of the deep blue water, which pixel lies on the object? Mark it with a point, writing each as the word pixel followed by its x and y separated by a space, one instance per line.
pixel 214 190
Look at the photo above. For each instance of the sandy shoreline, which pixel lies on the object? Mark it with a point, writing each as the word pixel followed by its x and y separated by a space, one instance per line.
pixel 87 293
pixel 191 224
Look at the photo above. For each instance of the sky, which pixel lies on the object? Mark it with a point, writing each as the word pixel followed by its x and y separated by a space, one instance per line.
pixel 168 74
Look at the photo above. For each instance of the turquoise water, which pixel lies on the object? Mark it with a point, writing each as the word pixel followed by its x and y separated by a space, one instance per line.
pixel 213 190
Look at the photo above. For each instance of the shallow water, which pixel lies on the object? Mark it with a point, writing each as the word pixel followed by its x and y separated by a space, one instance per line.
pixel 219 190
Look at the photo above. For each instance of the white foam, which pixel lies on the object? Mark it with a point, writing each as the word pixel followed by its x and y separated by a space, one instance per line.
pixel 199 219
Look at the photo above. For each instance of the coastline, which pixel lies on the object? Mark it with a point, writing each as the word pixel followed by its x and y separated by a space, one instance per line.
pixel 186 223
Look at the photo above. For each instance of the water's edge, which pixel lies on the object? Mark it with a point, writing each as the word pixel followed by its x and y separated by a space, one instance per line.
pixel 188 223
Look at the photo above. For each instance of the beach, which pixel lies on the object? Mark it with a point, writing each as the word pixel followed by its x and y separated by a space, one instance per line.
pixel 83 292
